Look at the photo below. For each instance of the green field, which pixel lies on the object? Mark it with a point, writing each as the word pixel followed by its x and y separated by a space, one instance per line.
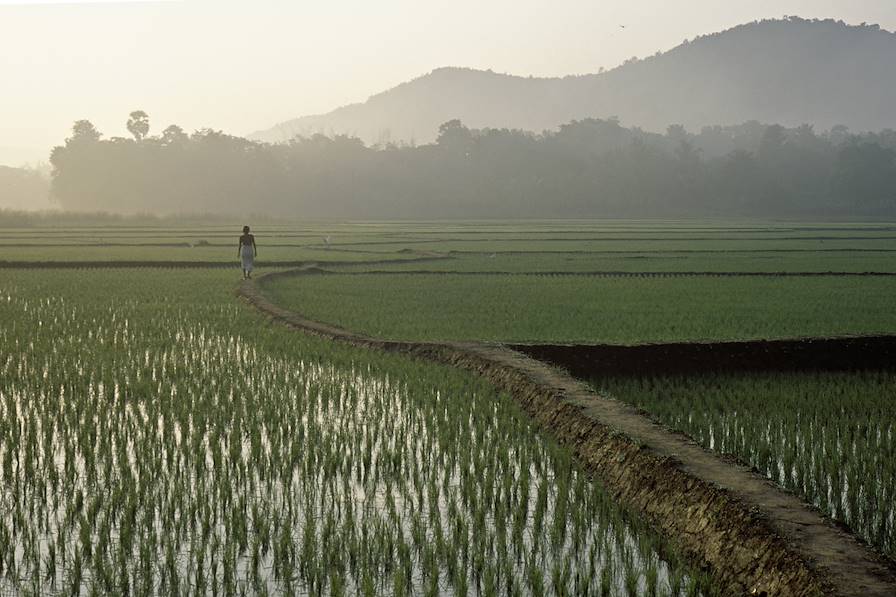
pixel 664 243
pixel 722 262
pixel 687 304
pixel 590 309
pixel 485 246
pixel 826 436
pixel 210 254
pixel 159 437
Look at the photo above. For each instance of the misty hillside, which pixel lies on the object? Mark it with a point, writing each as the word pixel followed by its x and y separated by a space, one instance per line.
pixel 789 71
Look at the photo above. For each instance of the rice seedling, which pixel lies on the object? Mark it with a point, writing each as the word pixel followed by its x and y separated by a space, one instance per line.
pixel 589 309
pixel 830 437
pixel 156 437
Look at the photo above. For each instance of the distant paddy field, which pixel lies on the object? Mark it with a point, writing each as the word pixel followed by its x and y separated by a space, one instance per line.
pixel 592 309
pixel 617 282
pixel 133 365
pixel 543 247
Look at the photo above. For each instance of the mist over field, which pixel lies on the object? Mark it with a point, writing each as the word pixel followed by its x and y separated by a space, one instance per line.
pixel 789 117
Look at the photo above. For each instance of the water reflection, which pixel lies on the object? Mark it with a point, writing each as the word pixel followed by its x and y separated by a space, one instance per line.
pixel 167 454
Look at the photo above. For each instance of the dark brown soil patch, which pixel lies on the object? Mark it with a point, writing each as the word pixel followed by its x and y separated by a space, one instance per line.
pixel 814 354
pixel 754 538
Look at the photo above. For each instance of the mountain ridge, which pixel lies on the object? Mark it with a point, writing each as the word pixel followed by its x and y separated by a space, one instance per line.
pixel 793 71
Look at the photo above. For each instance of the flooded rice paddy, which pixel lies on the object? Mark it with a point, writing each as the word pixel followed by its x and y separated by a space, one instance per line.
pixel 156 437
pixel 828 436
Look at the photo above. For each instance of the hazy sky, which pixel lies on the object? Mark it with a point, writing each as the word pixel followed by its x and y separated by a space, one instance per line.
pixel 244 65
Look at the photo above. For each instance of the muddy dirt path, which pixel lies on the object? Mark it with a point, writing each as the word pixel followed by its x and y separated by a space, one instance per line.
pixel 753 537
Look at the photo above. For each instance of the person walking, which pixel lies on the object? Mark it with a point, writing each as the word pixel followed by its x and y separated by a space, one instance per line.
pixel 247 252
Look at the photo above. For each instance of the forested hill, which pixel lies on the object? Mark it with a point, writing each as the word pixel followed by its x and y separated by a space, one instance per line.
pixel 791 71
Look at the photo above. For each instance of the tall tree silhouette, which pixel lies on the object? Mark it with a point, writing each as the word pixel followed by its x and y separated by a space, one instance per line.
pixel 138 124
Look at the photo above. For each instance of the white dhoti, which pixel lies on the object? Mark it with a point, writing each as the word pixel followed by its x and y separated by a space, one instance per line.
pixel 247 257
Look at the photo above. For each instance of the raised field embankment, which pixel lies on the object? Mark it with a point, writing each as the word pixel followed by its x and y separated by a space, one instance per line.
pixel 753 537
pixel 192 264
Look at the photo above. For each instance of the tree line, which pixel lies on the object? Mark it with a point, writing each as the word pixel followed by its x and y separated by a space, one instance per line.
pixel 586 168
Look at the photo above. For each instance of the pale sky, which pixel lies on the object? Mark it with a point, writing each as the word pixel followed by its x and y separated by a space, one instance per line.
pixel 240 66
